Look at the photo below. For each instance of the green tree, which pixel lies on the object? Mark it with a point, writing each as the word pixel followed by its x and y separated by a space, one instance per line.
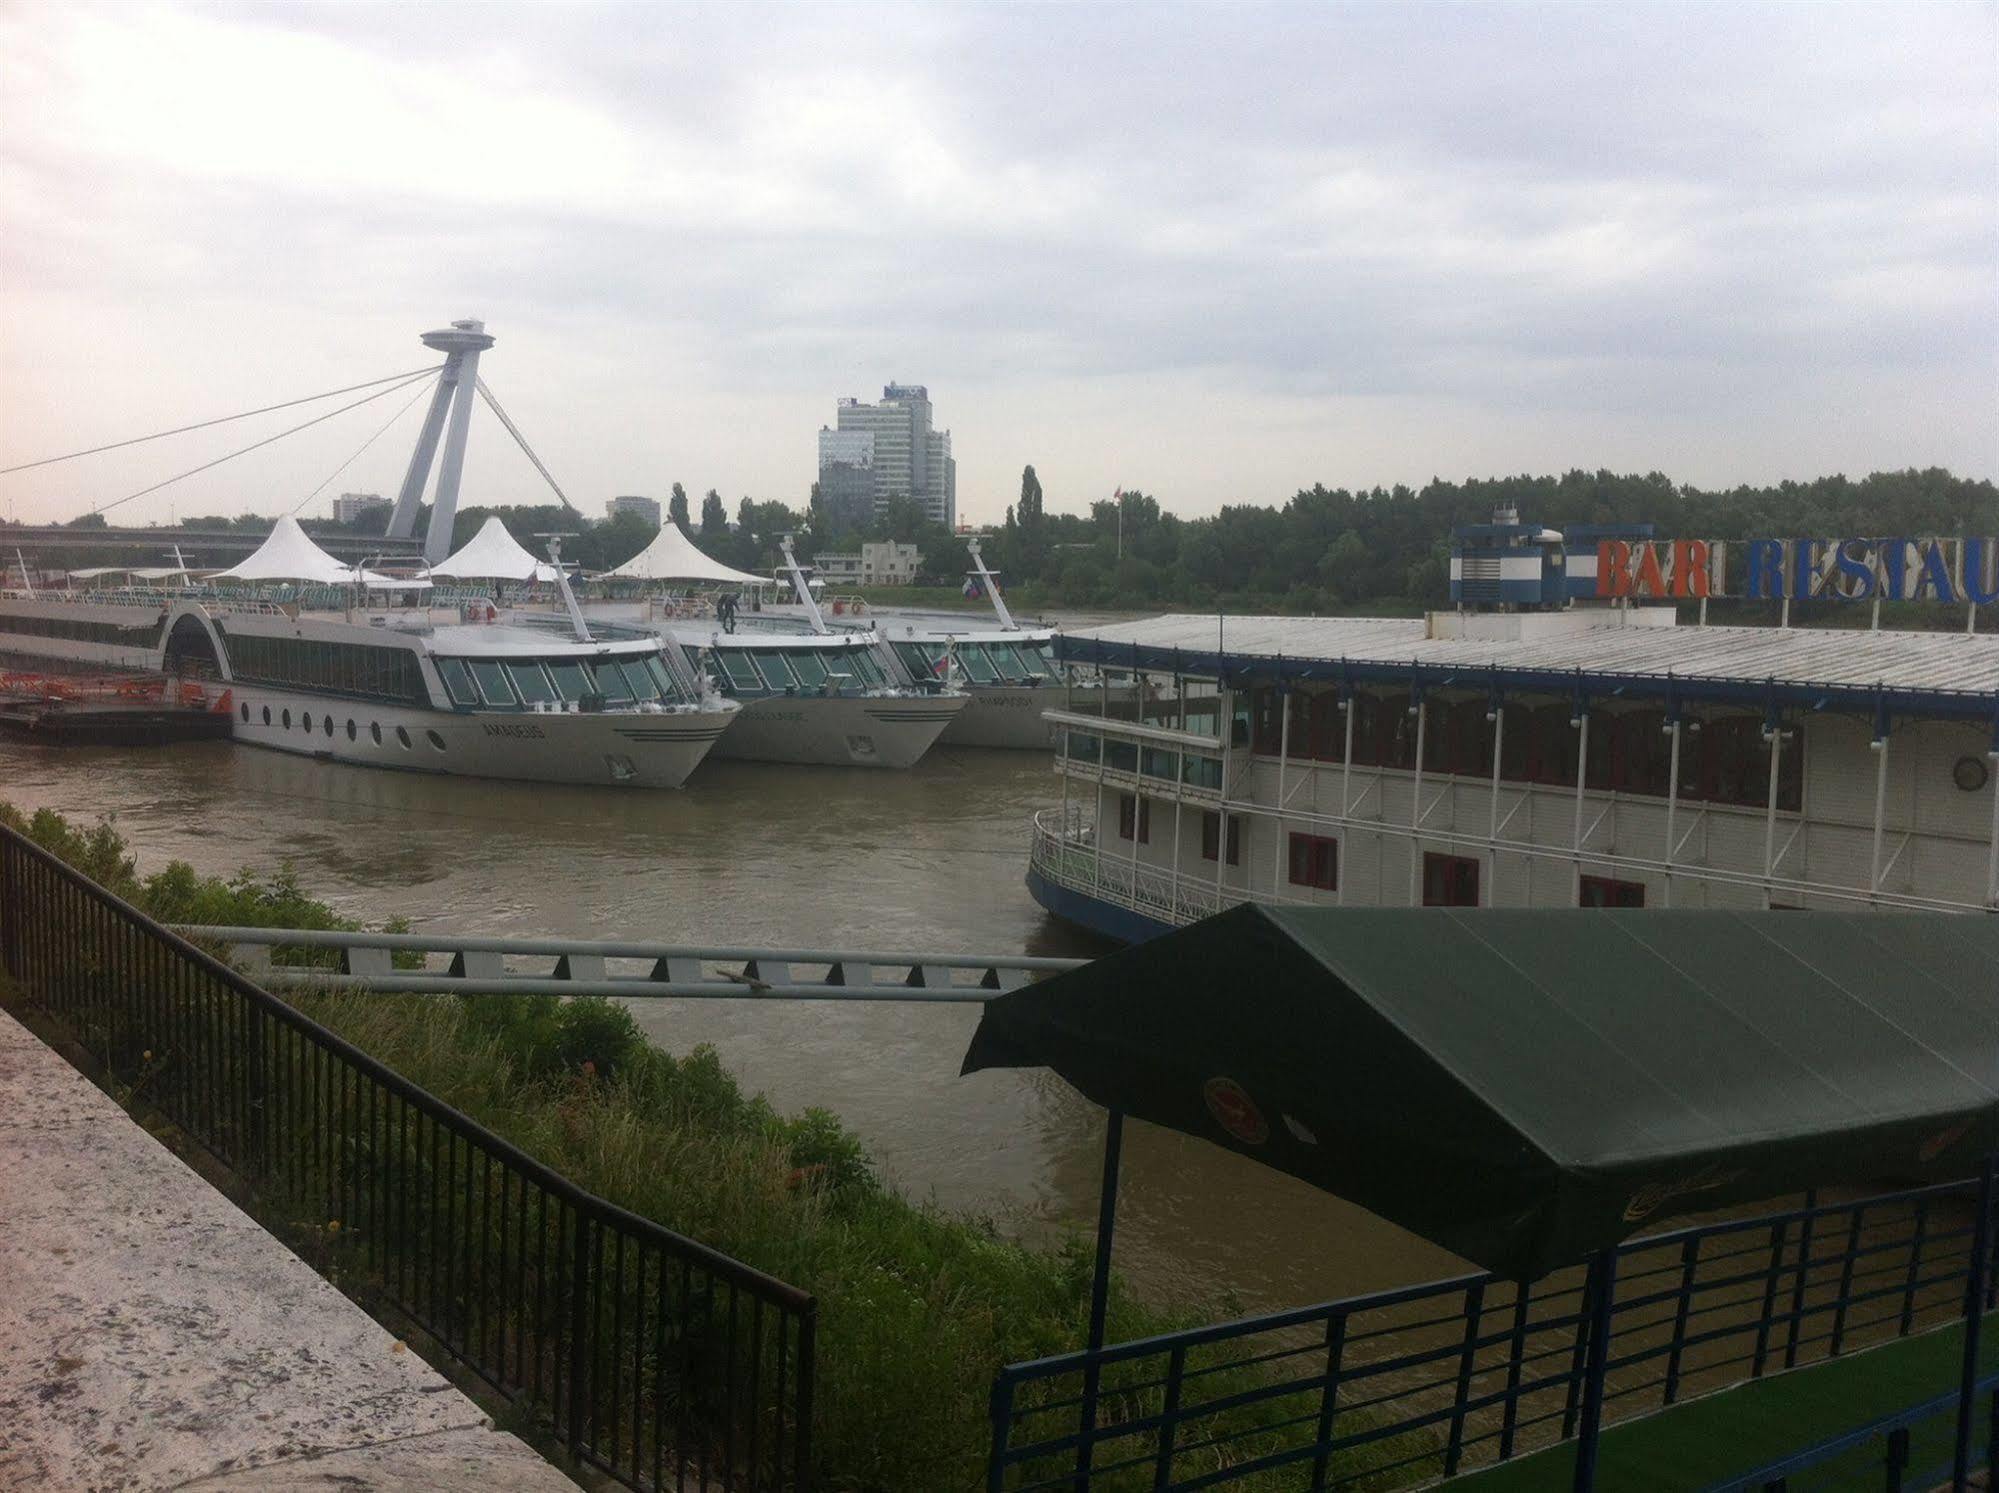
pixel 676 509
pixel 714 517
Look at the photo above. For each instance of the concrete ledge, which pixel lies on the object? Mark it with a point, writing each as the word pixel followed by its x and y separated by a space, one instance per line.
pixel 153 1336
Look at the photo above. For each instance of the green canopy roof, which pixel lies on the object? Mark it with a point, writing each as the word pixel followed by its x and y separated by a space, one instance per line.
pixel 1526 1087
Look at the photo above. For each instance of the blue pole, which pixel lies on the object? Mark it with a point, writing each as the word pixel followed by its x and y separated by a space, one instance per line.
pixel 1974 1314
pixel 1100 1291
pixel 1602 1286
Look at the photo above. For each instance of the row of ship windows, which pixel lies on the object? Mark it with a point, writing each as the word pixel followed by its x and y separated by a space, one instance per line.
pixel 1164 763
pixel 379 671
pixel 784 669
pixel 140 636
pixel 1314 862
pixel 983 663
pixel 514 683
pixel 306 724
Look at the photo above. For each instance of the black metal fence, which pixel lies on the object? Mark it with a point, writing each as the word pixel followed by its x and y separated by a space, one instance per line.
pixel 654 1358
pixel 1437 1379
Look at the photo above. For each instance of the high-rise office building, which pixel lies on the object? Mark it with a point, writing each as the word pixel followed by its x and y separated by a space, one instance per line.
pixel 645 508
pixel 351 505
pixel 894 443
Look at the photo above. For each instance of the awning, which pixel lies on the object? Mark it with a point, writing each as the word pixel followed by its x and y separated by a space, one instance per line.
pixel 1525 1087
pixel 672 557
pixel 493 554
pixel 288 555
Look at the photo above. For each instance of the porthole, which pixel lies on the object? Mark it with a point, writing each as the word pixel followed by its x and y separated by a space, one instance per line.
pixel 435 740
pixel 351 732
pixel 246 712
pixel 375 730
pixel 305 720
pixel 329 725
pixel 288 719
pixel 267 715
pixel 403 736
pixel 1969 773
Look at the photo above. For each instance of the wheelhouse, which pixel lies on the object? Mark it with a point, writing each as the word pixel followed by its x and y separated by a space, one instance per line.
pixel 742 667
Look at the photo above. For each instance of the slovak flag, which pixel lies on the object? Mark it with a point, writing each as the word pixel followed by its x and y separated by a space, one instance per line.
pixel 973 591
pixel 942 666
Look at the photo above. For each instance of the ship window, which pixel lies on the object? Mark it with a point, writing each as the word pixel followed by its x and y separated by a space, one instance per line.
pixel 1450 881
pixel 1159 762
pixel 329 725
pixel 246 712
pixel 777 673
pixel 1201 772
pixel 807 665
pixel 267 715
pixel 457 682
pixel 288 720
pixel 305 721
pixel 610 679
pixel 920 659
pixel 492 682
pixel 1083 747
pixel 1007 660
pixel 1134 819
pixel 865 666
pixel 569 679
pixel 976 664
pixel 641 683
pixel 1034 657
pixel 403 737
pixel 1211 838
pixel 375 730
pixel 1602 891
pixel 435 740
pixel 531 684
pixel 352 730
pixel 662 676
pixel 1121 756
pixel 736 664
pixel 1315 861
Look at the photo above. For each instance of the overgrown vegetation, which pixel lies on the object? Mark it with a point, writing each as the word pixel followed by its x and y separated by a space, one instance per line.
pixel 918 1307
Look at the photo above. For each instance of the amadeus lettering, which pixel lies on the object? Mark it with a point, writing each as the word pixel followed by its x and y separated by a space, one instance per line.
pixel 1954 572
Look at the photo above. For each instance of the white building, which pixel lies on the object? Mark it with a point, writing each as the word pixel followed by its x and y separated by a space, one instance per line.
pixel 877 564
pixel 349 506
pixel 902 455
pixel 1594 757
pixel 645 508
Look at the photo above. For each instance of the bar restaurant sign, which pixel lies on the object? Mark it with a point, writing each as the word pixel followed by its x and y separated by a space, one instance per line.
pixel 1956 572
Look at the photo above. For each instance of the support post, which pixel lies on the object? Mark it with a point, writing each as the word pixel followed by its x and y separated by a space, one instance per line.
pixel 1492 823
pixel 1100 1292
pixel 1774 735
pixel 1672 804
pixel 1992 855
pixel 1880 745
pixel 1582 777
pixel 402 522
pixel 1602 1286
pixel 1283 763
pixel 1416 798
pixel 1346 801
pixel 1974 1318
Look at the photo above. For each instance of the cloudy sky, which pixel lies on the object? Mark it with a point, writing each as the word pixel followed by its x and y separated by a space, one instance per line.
pixel 1217 252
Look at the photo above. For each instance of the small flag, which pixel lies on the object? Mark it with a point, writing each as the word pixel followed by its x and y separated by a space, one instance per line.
pixel 972 589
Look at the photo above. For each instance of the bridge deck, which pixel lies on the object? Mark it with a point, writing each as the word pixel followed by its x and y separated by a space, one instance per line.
pixel 152 1336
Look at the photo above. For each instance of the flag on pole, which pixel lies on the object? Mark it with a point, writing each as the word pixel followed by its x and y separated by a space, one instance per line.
pixel 973 590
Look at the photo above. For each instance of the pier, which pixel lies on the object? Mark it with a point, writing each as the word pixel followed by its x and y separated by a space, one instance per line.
pixel 154 1336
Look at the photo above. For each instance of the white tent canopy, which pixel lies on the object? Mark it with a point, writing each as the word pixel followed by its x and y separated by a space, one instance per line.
pixel 288 555
pixel 672 557
pixel 493 554
pixel 376 581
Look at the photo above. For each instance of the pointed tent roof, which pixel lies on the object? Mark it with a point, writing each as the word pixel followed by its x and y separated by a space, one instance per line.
pixel 1525 1087
pixel 288 555
pixel 493 554
pixel 672 557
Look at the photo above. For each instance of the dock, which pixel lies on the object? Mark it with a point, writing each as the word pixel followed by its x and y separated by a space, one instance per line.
pixel 111 710
pixel 153 1336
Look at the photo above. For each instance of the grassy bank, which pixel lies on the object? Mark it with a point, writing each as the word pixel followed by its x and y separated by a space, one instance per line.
pixel 918 1307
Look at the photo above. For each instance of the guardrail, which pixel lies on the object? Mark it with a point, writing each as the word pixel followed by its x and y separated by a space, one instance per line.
pixel 575 966
pixel 1438 1379
pixel 652 1357
pixel 1890 1455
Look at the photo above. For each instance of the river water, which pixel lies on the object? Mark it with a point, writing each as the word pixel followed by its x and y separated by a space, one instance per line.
pixel 750 853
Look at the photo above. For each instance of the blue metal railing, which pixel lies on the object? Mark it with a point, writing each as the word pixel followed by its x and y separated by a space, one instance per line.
pixel 1442 1378
pixel 1909 1449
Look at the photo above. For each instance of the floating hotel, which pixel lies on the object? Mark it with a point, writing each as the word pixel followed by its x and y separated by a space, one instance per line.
pixel 1553 742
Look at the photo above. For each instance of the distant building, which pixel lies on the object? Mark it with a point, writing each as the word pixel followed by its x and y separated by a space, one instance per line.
pixel 884 564
pixel 847 477
pixel 351 505
pixel 902 455
pixel 645 508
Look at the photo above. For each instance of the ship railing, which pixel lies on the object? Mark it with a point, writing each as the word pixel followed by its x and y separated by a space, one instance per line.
pixel 646 1354
pixel 1405 1386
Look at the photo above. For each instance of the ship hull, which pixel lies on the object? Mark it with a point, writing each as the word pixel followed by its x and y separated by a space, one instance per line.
pixel 892 731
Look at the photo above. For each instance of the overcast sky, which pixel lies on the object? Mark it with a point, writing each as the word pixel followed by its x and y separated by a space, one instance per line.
pixel 1216 252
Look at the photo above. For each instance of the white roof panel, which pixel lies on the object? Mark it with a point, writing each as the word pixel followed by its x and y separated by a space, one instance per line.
pixel 672 557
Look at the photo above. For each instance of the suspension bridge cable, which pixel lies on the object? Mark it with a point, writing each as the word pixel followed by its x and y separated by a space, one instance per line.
pixel 363 447
pixel 317 419
pixel 522 441
pixel 223 420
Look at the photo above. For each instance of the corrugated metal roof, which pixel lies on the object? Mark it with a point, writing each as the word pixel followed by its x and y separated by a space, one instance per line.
pixel 1902 663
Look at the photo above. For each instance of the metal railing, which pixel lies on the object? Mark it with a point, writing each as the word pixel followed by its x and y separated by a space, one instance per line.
pixel 1438 1379
pixel 1909 1449
pixel 408 963
pixel 652 1357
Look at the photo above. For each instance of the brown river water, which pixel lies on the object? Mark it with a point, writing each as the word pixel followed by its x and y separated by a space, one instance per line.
pixel 749 853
